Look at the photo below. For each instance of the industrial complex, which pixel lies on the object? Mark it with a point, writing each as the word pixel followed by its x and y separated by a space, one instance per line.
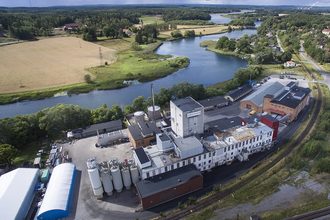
pixel 158 157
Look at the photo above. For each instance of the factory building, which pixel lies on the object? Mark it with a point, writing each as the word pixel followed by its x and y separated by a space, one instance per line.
pixel 272 123
pixel 239 93
pixel 187 117
pixel 96 129
pixel 255 100
pixel 289 102
pixel 214 102
pixel 17 192
pixel 216 149
pixel 142 134
pixel 58 199
pixel 168 186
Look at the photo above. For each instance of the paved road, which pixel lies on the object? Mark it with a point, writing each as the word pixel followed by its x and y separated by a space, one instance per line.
pixel 279 43
pixel 317 67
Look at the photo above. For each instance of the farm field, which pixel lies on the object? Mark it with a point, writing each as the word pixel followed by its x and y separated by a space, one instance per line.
pixel 203 30
pixel 48 63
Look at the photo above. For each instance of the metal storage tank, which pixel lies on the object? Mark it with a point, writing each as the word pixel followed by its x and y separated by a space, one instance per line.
pixel 126 176
pixel 106 178
pixel 94 178
pixel 152 113
pixel 139 117
pixel 134 173
pixel 116 177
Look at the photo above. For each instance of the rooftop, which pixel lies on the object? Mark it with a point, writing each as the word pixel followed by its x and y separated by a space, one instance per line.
pixel 257 97
pixel 187 104
pixel 291 98
pixel 224 123
pixel 240 91
pixel 112 125
pixel 166 180
pixel 213 101
pixel 142 156
pixel 142 130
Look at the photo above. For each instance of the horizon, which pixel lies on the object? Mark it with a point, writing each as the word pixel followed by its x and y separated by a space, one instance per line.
pixel 68 3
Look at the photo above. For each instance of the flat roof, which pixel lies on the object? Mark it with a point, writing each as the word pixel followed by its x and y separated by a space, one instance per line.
pixel 141 130
pixel 257 97
pixel 142 156
pixel 112 125
pixel 164 137
pixel 166 180
pixel 15 192
pixel 187 104
pixel 224 123
pixel 213 101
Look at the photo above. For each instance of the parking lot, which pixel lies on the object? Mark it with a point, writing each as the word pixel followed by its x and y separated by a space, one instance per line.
pixel 118 206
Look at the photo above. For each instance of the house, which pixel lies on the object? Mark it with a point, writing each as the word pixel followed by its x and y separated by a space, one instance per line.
pixel 71 27
pixel 289 64
pixel 214 102
pixel 326 32
pixel 127 32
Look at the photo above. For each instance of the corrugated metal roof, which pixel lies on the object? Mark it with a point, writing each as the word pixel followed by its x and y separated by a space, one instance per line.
pixel 16 188
pixel 257 97
pixel 57 197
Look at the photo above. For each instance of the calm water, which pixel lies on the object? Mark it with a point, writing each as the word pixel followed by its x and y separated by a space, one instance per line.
pixel 205 68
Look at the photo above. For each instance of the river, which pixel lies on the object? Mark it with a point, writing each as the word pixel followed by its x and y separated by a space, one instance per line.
pixel 205 68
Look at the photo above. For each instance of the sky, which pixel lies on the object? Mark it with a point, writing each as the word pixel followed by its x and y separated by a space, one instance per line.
pixel 45 3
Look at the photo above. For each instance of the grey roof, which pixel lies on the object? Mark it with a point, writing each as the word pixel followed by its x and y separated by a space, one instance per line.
pixel 187 104
pixel 214 101
pixel 224 123
pixel 164 137
pixel 288 99
pixel 188 143
pixel 110 125
pixel 166 180
pixel 240 91
pixel 291 84
pixel 142 130
pixel 257 97
pixel 142 156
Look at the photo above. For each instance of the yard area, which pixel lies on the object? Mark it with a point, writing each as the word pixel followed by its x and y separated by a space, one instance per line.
pixel 152 19
pixel 47 63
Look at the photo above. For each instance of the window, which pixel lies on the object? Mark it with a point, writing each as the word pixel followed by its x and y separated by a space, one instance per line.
pixel 232 147
pixel 204 163
pixel 225 149
pixel 232 153
pixel 199 157
pixel 194 159
pixel 147 174
pixel 213 153
pixel 210 154
pixel 172 167
pixel 204 156
pixel 209 161
pixel 165 169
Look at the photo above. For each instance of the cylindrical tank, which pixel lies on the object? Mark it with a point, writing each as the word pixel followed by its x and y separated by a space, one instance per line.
pixel 116 177
pixel 154 114
pixel 106 179
pixel 139 117
pixel 126 177
pixel 94 177
pixel 134 173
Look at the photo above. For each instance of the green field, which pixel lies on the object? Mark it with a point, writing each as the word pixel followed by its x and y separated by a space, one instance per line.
pixel 211 44
pixel 152 19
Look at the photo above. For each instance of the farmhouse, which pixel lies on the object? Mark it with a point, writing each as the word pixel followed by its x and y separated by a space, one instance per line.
pixel 71 27
pixel 289 64
pixel 326 32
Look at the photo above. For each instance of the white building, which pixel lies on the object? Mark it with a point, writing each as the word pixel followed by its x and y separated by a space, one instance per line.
pixel 215 150
pixel 187 117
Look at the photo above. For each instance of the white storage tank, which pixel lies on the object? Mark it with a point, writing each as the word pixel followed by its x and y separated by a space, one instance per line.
pixel 116 177
pixel 126 176
pixel 139 117
pixel 94 178
pixel 154 113
pixel 106 179
pixel 134 173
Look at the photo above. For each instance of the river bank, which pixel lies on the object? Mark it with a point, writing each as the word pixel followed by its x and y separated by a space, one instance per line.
pixel 142 66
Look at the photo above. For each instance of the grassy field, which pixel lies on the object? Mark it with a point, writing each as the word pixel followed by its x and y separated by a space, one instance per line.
pixel 326 67
pixel 47 63
pixel 152 19
pixel 199 30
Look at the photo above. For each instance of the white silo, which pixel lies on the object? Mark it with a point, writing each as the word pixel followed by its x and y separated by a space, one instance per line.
pixel 116 177
pixel 139 117
pixel 106 179
pixel 126 176
pixel 154 113
pixel 94 178
pixel 134 173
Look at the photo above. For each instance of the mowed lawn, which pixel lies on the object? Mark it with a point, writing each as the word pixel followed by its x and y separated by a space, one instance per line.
pixel 48 63
pixel 204 30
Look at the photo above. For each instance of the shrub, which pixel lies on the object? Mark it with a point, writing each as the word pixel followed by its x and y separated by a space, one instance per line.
pixel 323 165
pixel 88 78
